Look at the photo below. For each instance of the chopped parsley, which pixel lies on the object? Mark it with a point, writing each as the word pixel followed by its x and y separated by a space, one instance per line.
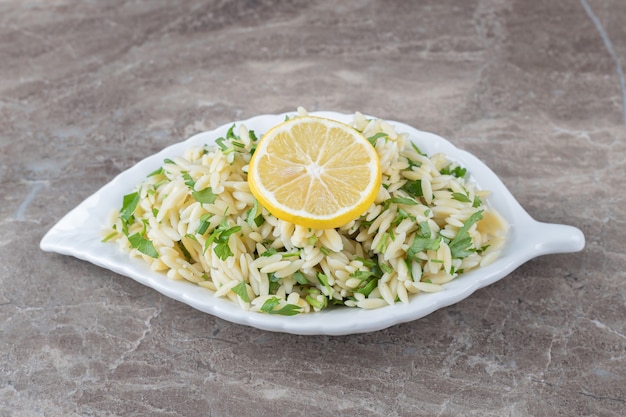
pixel 414 188
pixel 189 182
pixel 416 149
pixel 129 204
pixel 204 223
pixel 223 147
pixel 315 303
pixel 461 245
pixel 254 217
pixel 454 170
pixel 137 240
pixel 399 200
pixel 421 244
pixel 269 306
pixel 368 287
pixel 242 291
pixel 461 197
pixel 143 245
pixel 204 196
pixel 363 275
pixel 300 278
pixel 156 172
pixel 231 133
pixel 381 246
pixel 220 237
pixel 323 279
pixel 423 241
pixel 274 282
pixel 373 139
pixel 184 251
pixel 109 237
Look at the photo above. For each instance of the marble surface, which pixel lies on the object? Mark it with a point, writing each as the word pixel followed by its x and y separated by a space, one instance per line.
pixel 534 88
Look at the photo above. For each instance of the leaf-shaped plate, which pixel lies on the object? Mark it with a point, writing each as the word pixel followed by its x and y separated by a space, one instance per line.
pixel 79 234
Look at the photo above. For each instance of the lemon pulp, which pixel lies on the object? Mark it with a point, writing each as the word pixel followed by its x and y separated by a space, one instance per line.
pixel 315 172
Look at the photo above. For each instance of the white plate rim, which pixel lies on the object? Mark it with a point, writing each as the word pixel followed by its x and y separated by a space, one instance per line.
pixel 78 234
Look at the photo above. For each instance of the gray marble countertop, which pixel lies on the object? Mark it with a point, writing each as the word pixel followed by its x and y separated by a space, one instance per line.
pixel 534 88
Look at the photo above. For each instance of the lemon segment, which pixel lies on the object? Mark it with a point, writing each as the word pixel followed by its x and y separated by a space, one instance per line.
pixel 315 172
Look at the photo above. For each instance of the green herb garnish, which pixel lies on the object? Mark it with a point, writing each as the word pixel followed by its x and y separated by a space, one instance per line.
pixel 423 241
pixel 109 237
pixel 416 149
pixel 461 245
pixel 373 139
pixel 254 217
pixel 189 182
pixel 143 245
pixel 454 170
pixel 184 250
pixel 420 244
pixel 461 197
pixel 269 306
pixel 323 279
pixel 204 223
pixel 231 133
pixel 300 278
pixel 204 196
pixel 399 200
pixel 129 204
pixel 414 188
pixel 156 172
pixel 368 287
pixel 220 237
pixel 242 291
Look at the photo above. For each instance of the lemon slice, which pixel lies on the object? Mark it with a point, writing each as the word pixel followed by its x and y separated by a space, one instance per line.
pixel 315 172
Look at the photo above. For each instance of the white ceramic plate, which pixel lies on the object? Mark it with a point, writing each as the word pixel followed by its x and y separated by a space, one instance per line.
pixel 79 234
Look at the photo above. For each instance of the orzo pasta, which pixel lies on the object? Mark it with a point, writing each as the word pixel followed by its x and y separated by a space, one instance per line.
pixel 195 219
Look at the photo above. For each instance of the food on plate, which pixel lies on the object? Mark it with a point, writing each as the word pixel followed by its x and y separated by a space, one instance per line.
pixel 417 222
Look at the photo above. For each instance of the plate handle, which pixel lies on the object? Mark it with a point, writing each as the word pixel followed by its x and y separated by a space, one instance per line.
pixel 558 238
